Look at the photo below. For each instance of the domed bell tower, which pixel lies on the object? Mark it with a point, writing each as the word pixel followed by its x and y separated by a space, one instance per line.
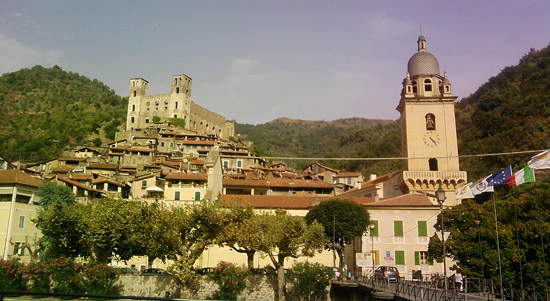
pixel 428 127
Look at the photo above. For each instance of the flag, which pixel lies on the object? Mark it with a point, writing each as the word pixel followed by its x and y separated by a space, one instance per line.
pixel 540 161
pixel 500 177
pixel 465 192
pixel 482 186
pixel 525 175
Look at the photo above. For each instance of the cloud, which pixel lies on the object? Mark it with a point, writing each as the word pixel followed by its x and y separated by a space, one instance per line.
pixel 15 55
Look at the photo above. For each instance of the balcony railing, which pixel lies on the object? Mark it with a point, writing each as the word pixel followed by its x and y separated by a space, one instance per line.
pixel 435 175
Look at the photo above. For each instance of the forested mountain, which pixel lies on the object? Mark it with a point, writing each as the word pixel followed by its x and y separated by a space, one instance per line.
pixel 46 109
pixel 508 113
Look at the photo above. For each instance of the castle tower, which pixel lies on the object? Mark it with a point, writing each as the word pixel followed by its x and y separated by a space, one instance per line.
pixel 181 84
pixel 428 127
pixel 138 89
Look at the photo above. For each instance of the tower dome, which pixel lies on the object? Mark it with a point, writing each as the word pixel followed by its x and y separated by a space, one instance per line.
pixel 422 62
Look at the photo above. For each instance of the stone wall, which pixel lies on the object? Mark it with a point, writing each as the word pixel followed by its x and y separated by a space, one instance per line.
pixel 259 287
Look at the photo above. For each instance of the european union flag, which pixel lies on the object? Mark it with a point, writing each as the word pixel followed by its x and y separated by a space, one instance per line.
pixel 500 177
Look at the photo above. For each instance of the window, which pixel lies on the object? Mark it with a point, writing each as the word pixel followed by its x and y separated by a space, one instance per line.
pixel 430 122
pixel 176 116
pixel 398 228
pixel 133 108
pixel 176 104
pixel 427 85
pixel 197 195
pixel 374 231
pixel 177 196
pixel 239 163
pixel 225 164
pixel 432 162
pixel 144 184
pixel 146 120
pixel 177 90
pixel 422 228
pixel 18 249
pixel 162 144
pixel 132 119
pixel 400 257
pixel 135 93
pixel 414 87
pixel 447 89
pixel 421 257
pixel 21 222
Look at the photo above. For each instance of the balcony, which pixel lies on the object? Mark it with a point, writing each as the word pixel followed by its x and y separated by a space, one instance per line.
pixel 431 180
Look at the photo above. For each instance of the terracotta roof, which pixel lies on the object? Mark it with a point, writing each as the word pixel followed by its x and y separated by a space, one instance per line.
pixel 78 184
pixel 81 176
pixel 107 180
pixel 277 182
pixel 405 200
pixel 323 166
pixel 186 176
pixel 71 159
pixel 347 175
pixel 87 148
pixel 244 182
pixel 14 176
pixel 197 162
pixel 379 179
pixel 282 201
pixel 62 169
pixel 144 177
pixel 197 142
pixel 102 166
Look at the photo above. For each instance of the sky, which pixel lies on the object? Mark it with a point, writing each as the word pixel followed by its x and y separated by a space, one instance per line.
pixel 255 61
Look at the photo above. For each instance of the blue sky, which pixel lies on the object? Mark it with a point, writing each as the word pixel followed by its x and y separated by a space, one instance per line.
pixel 254 61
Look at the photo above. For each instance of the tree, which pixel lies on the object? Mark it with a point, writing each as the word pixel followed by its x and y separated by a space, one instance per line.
pixel 284 236
pixel 52 192
pixel 97 141
pixel 243 236
pixel 524 229
pixel 156 119
pixel 309 280
pixel 342 220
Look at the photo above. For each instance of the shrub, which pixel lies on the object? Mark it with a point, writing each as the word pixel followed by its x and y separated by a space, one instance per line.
pixel 178 122
pixel 66 276
pixel 156 119
pixel 309 280
pixel 230 279
pixel 11 276
pixel 37 276
pixel 100 280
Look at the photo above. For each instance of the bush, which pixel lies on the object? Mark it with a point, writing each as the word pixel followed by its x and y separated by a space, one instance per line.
pixel 156 119
pixel 178 122
pixel 11 276
pixel 309 280
pixel 37 276
pixel 66 276
pixel 230 279
pixel 100 280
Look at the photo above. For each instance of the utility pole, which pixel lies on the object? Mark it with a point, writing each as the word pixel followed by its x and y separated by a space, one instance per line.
pixel 440 195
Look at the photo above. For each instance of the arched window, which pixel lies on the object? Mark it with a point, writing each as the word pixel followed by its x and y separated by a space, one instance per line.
pixel 428 85
pixel 178 90
pixel 430 122
pixel 446 88
pixel 432 162
pixel 134 93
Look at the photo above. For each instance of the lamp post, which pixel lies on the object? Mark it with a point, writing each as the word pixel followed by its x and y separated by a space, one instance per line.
pixel 440 196
pixel 371 227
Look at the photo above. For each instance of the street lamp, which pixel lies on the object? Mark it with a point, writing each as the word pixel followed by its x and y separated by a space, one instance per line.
pixel 371 227
pixel 440 196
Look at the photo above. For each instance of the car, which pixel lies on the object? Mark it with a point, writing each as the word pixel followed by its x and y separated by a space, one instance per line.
pixel 386 273
pixel 127 270
pixel 205 271
pixel 155 271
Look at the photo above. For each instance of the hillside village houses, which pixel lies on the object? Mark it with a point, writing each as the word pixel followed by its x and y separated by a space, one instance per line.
pixel 175 152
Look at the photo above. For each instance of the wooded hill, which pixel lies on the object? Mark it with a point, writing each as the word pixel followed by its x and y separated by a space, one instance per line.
pixel 508 113
pixel 47 109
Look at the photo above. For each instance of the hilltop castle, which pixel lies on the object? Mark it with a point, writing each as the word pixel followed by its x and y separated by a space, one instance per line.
pixel 177 104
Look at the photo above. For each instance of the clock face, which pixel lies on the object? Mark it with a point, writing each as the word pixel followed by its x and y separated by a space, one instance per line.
pixel 431 140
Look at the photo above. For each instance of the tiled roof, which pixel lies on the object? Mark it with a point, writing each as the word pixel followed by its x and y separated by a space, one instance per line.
pixel 281 201
pixel 186 176
pixel 244 182
pixel 14 176
pixel 347 175
pixel 405 200
pixel 197 142
pixel 324 166
pixel 78 184
pixel 81 176
pixel 107 180
pixel 276 182
pixel 144 177
pixel 62 169
pixel 102 166
pixel 71 159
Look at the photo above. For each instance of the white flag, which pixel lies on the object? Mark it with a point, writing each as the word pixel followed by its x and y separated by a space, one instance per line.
pixel 540 161
pixel 465 192
pixel 482 186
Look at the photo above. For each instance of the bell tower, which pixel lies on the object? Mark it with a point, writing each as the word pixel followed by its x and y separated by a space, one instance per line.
pixel 428 127
pixel 138 89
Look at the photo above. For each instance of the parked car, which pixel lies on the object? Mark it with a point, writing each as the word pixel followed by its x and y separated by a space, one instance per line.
pixel 155 271
pixel 387 273
pixel 127 270
pixel 205 271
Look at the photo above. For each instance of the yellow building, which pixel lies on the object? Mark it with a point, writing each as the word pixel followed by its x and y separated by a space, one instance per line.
pixel 17 209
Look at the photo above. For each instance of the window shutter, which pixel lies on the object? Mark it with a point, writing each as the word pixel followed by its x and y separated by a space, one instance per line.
pixel 417 257
pixel 399 257
pixel 197 196
pixel 422 228
pixel 177 196
pixel 375 230
pixel 398 228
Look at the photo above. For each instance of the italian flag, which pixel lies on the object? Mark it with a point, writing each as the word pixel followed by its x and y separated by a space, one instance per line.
pixel 525 175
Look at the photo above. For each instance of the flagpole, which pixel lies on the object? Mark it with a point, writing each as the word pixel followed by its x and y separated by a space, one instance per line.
pixel 498 247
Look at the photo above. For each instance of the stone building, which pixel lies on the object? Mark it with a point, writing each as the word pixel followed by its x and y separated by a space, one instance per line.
pixel 143 108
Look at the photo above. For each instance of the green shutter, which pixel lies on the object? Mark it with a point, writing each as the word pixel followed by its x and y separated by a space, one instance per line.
pixel 197 195
pixel 400 257
pixel 374 232
pixel 417 257
pixel 398 228
pixel 422 228
pixel 177 196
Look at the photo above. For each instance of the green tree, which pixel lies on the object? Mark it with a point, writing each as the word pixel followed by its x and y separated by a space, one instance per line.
pixel 97 141
pixel 177 121
pixel 231 280
pixel 156 119
pixel 283 236
pixel 524 230
pixel 309 280
pixel 52 192
pixel 343 222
